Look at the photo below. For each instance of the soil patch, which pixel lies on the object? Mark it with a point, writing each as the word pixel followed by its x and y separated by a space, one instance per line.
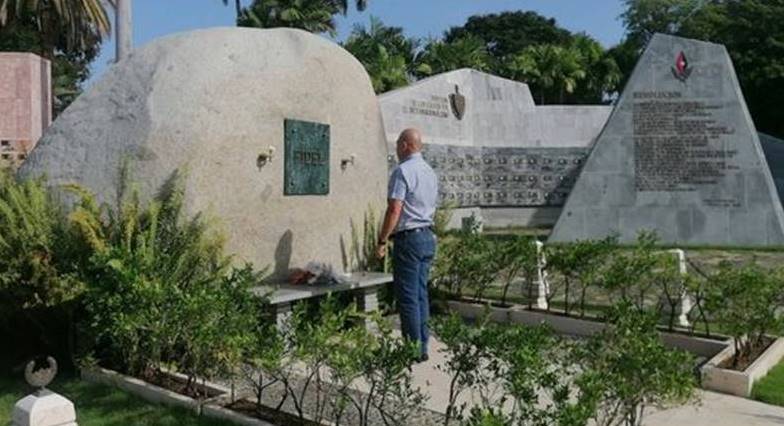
pixel 745 361
pixel 181 386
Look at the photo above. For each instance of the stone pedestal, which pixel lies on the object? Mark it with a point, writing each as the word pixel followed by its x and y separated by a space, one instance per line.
pixel 685 305
pixel 540 287
pixel 25 104
pixel 47 409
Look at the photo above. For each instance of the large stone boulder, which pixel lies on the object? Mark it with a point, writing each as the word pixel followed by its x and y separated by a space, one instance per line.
pixel 210 103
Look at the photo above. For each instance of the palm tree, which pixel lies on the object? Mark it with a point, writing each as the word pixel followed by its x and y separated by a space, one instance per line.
pixel 316 16
pixel 550 68
pixel 602 73
pixel 79 22
pixel 385 52
pixel 466 52
pixel 237 7
pixel 343 5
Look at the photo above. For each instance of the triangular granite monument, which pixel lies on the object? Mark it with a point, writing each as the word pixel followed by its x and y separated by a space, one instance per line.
pixel 679 156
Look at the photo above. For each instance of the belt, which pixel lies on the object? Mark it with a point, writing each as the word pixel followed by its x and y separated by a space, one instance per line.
pixel 412 230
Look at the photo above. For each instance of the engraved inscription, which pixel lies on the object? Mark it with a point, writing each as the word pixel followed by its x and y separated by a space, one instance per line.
pixel 436 106
pixel 306 162
pixel 679 144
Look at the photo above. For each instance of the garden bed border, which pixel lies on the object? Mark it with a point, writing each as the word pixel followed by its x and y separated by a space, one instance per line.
pixel 562 324
pixel 158 395
pixel 740 383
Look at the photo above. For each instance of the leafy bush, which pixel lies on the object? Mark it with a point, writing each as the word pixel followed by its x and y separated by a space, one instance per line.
pixel 442 217
pixel 522 375
pixel 628 369
pixel 468 261
pixel 39 265
pixel 516 257
pixel 578 264
pixel 322 361
pixel 624 276
pixel 745 303
pixel 362 252
pixel 160 289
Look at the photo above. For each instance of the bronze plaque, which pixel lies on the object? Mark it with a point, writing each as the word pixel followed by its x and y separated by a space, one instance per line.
pixel 306 166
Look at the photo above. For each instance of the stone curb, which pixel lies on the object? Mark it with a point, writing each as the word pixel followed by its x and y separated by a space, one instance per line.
pixel 221 413
pixel 581 327
pixel 740 383
pixel 159 395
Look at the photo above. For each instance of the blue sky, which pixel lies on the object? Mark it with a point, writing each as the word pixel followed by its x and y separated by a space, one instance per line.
pixel 419 18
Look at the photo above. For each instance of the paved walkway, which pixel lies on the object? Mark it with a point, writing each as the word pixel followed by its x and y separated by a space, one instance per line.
pixel 714 410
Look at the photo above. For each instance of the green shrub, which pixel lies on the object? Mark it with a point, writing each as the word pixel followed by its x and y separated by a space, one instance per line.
pixel 320 361
pixel 468 261
pixel 40 262
pixel 578 264
pixel 521 375
pixel 628 370
pixel 161 292
pixel 745 303
pixel 516 256
pixel 442 218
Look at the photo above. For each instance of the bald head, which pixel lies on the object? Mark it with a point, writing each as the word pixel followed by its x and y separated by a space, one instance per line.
pixel 411 136
pixel 409 142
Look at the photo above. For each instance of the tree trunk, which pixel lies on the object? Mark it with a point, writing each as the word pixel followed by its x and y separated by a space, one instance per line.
pixel 124 28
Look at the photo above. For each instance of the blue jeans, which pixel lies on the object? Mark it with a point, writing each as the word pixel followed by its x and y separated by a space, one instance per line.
pixel 411 259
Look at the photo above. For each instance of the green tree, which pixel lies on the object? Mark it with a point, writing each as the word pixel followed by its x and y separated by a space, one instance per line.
pixel 751 30
pixel 644 18
pixel 386 54
pixel 553 70
pixel 508 33
pixel 74 23
pixel 316 16
pixel 602 74
pixel 630 370
pixel 67 32
pixel 745 302
pixel 40 286
pixel 237 7
pixel 442 56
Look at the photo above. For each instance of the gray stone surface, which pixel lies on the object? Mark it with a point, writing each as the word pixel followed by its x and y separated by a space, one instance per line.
pixel 774 154
pixel 209 103
pixel 46 409
pixel 503 151
pixel 287 293
pixel 680 156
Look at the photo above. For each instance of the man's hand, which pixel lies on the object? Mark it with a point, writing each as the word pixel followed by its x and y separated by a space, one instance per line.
pixel 381 250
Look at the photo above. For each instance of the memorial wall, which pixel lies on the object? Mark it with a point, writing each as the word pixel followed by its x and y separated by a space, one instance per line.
pixel 680 156
pixel 497 154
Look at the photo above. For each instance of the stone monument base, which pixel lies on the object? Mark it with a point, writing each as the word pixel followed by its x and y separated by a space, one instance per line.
pixel 47 409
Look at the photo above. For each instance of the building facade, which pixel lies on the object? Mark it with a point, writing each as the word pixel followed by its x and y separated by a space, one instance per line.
pixel 25 104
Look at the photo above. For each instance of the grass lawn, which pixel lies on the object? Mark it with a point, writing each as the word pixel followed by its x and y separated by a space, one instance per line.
pixel 100 405
pixel 770 389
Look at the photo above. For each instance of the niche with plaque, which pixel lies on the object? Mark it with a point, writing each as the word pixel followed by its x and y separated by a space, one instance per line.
pixel 306 164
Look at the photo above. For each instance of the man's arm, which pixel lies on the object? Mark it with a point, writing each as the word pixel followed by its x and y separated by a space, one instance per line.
pixel 391 217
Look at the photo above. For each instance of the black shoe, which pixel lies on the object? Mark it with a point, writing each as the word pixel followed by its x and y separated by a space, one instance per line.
pixel 423 358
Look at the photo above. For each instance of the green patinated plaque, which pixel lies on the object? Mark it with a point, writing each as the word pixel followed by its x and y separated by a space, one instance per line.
pixel 306 167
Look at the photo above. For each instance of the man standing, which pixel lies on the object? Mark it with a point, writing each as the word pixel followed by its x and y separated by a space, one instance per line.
pixel 411 205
